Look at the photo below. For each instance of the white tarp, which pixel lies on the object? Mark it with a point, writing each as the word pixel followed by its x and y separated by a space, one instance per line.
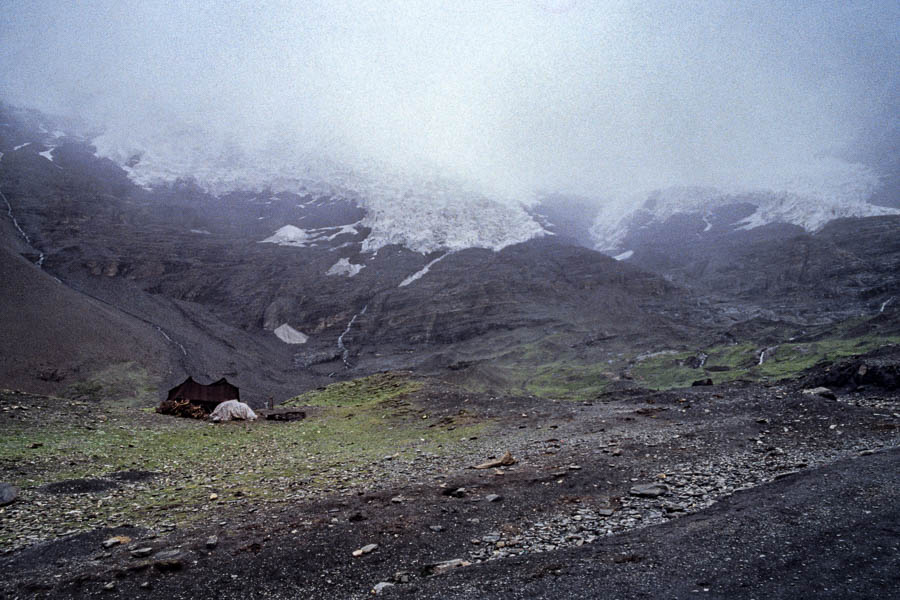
pixel 231 410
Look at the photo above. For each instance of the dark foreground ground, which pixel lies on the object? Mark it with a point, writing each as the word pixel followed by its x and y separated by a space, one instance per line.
pixel 764 491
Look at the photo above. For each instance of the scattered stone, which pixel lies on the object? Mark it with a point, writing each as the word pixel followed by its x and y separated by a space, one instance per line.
pixel 8 494
pixel 824 392
pixel 365 549
pixel 142 552
pixel 213 496
pixel 606 512
pixel 35 445
pixel 455 492
pixel 116 540
pixel 504 461
pixel 866 452
pixel 212 541
pixel 444 566
pixel 493 497
pixel 109 586
pixel 702 382
pixel 381 586
pixel 398 499
pixel 402 576
pixel 168 560
pixel 436 528
pixel 649 490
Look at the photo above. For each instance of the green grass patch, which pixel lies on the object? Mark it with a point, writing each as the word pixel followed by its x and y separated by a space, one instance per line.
pixel 375 388
pixel 341 444
pixel 566 381
pixel 728 363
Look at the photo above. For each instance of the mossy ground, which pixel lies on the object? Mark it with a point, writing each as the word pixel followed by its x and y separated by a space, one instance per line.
pixel 741 361
pixel 552 369
pixel 340 446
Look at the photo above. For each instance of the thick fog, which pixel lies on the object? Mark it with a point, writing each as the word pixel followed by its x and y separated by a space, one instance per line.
pixel 597 98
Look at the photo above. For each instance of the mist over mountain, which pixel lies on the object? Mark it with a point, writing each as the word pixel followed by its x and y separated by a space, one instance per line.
pixel 445 105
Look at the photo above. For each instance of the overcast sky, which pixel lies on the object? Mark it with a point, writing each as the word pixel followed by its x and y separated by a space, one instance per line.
pixel 516 95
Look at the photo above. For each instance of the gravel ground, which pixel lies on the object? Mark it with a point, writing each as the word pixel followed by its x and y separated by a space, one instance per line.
pixel 744 490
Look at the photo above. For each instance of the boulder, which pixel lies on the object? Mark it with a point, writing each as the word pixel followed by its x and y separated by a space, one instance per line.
pixel 8 494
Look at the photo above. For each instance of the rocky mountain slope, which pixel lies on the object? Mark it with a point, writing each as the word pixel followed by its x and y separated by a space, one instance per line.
pixel 282 290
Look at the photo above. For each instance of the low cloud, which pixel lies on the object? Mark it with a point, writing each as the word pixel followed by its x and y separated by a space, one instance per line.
pixel 598 98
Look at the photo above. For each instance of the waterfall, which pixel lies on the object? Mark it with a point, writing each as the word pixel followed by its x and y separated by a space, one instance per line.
pixel 345 353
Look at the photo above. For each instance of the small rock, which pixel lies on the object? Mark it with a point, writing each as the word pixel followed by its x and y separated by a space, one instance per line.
pixel 116 540
pixel 365 549
pixel 444 566
pixel 212 541
pixel 504 461
pixel 398 499
pixel 606 512
pixel 381 586
pixel 455 492
pixel 402 576
pixel 436 528
pixel 649 490
pixel 35 445
pixel 213 496
pixel 142 552
pixel 8 493
pixel 109 586
pixel 866 452
pixel 493 497
pixel 820 391
pixel 168 560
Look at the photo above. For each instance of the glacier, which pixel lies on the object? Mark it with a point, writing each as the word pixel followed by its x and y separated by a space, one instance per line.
pixel 826 189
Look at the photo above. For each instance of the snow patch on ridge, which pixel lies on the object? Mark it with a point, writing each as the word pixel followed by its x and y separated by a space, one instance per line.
pixel 421 272
pixel 345 267
pixel 290 235
pixel 289 335
pixel 625 255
